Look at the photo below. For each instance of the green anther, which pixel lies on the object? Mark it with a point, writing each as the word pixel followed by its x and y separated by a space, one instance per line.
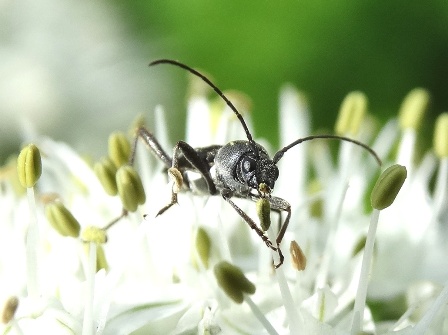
pixel 441 136
pixel 101 261
pixel 359 246
pixel 130 188
pixel 106 170
pixel 94 234
pixel 351 113
pixel 413 108
pixel 29 165
pixel 232 281
pixel 203 246
pixel 387 186
pixel 316 206
pixel 264 213
pixel 9 309
pixel 119 148
pixel 62 220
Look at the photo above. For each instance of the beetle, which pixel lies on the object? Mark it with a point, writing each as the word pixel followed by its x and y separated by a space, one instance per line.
pixel 238 169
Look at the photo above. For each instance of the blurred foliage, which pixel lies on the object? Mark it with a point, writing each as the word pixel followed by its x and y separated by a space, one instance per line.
pixel 326 48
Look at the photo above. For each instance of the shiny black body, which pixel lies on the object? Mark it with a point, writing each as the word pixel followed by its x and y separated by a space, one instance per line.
pixel 239 169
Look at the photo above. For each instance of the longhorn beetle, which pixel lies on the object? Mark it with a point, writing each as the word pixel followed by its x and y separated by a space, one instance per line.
pixel 238 169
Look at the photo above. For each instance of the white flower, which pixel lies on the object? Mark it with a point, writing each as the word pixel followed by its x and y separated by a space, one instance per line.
pixel 155 281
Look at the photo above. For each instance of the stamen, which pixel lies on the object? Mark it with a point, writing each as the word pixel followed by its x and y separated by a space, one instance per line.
pixel 298 258
pixel 387 186
pixel 106 170
pixel 119 148
pixel 62 220
pixel 264 213
pixel 29 166
pixel 413 108
pixel 441 150
pixel 351 114
pixel 9 309
pixel 441 136
pixel 294 316
pixel 94 234
pixel 203 247
pixel 384 193
pixel 411 114
pixel 130 188
pixel 91 266
pixel 29 169
pixel 233 281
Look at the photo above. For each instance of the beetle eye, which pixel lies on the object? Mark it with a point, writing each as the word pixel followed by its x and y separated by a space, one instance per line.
pixel 248 165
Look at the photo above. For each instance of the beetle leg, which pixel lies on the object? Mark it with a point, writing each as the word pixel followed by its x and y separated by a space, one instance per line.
pixel 196 162
pixel 249 221
pixel 278 205
pixel 152 143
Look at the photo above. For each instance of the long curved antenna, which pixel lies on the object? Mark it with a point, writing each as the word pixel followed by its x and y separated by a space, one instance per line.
pixel 216 89
pixel 281 152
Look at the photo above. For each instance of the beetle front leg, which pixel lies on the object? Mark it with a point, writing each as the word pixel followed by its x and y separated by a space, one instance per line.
pixel 249 221
pixel 280 204
pixel 196 162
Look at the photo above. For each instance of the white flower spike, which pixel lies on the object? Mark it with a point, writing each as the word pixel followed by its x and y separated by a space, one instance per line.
pixel 159 279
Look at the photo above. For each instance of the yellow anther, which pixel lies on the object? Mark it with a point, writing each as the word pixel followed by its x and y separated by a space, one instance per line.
pixel 130 188
pixel 119 148
pixel 29 165
pixel 106 170
pixel 351 113
pixel 94 234
pixel 413 108
pixel 62 220
pixel 441 136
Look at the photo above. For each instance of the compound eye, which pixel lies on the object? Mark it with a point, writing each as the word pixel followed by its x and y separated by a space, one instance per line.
pixel 248 165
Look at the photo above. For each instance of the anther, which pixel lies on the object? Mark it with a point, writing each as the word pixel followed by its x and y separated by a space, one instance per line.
pixel 29 166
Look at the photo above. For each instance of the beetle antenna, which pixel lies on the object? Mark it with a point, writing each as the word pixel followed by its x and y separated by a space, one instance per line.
pixel 216 89
pixel 281 152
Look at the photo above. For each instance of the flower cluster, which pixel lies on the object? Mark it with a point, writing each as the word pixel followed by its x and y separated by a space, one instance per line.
pixel 80 257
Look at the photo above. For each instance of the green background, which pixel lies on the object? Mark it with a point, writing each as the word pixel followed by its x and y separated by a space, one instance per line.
pixel 325 48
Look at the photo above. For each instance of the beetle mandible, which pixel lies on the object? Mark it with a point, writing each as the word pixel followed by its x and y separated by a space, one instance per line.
pixel 238 169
